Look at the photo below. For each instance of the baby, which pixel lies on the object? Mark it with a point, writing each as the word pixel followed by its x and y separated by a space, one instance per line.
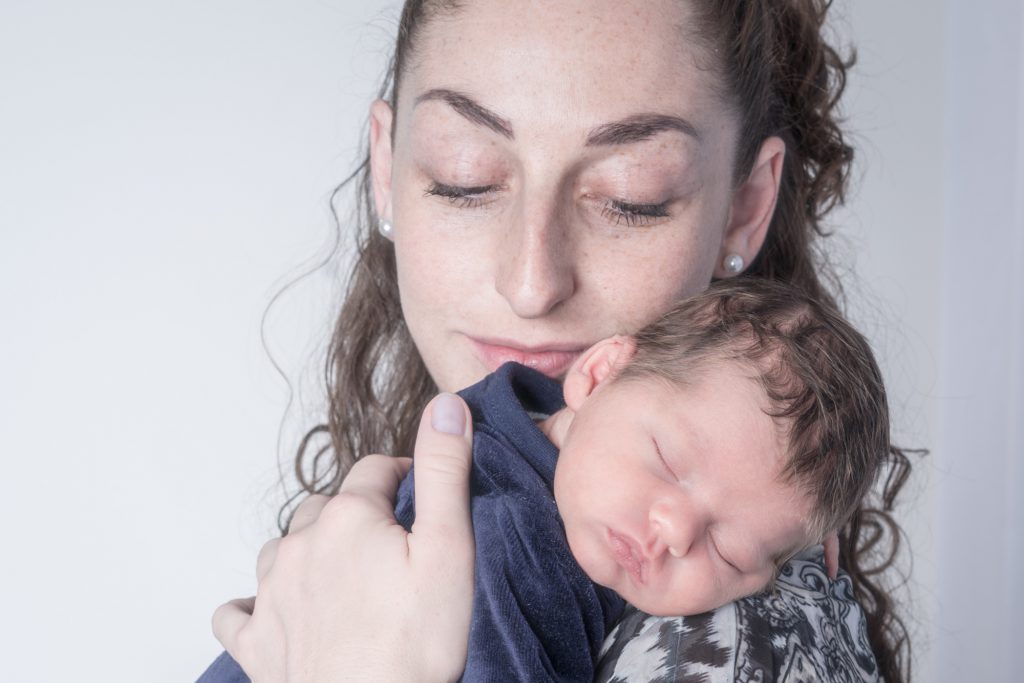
pixel 688 463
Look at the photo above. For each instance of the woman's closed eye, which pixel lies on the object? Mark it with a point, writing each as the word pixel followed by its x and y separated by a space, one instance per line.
pixel 632 214
pixel 463 197
pixel 616 211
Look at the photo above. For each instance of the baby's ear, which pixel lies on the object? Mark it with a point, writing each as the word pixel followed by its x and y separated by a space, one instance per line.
pixel 831 544
pixel 596 365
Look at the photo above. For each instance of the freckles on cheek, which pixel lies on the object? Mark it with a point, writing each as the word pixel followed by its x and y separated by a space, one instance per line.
pixel 435 270
pixel 426 263
pixel 639 290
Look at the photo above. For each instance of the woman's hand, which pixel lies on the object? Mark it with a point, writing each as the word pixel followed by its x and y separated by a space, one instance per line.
pixel 348 594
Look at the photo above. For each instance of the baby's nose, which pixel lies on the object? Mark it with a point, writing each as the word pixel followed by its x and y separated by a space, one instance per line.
pixel 673 530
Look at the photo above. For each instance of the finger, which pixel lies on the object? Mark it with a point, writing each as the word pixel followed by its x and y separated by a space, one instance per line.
pixel 831 543
pixel 265 560
pixel 443 456
pixel 375 479
pixel 307 512
pixel 229 619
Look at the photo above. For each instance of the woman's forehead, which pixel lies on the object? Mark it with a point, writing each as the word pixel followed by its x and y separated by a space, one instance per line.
pixel 576 62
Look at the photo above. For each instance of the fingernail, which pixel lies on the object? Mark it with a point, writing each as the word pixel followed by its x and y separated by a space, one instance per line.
pixel 448 416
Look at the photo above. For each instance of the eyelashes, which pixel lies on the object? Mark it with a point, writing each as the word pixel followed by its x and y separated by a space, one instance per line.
pixel 462 197
pixel 664 462
pixel 615 211
pixel 631 214
pixel 723 557
pixel 712 541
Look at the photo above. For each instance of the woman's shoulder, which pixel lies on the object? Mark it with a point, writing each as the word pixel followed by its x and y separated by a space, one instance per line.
pixel 809 628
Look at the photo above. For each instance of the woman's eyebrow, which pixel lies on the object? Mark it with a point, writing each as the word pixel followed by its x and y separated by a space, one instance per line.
pixel 470 109
pixel 635 128
pixel 639 127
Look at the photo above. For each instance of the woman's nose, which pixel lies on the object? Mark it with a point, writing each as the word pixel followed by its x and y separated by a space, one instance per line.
pixel 536 271
pixel 674 529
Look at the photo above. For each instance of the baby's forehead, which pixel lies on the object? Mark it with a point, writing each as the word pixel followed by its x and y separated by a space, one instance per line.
pixel 702 383
pixel 697 428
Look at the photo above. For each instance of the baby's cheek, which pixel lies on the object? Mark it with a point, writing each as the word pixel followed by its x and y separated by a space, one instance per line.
pixel 585 553
pixel 755 584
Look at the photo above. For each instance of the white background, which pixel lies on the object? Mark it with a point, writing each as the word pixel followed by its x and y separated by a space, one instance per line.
pixel 164 170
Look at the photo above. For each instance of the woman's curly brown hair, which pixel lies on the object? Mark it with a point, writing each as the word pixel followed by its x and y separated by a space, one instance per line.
pixel 786 80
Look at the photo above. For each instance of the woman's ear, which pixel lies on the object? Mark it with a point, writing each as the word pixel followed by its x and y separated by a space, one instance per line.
pixel 599 363
pixel 381 121
pixel 752 207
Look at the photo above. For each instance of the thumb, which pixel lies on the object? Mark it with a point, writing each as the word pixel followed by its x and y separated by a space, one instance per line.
pixel 442 458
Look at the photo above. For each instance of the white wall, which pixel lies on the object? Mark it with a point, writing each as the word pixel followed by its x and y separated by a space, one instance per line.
pixel 980 406
pixel 890 234
pixel 163 167
pixel 939 100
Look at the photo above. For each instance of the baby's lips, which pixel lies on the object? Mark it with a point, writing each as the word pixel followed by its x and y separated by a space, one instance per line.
pixel 626 553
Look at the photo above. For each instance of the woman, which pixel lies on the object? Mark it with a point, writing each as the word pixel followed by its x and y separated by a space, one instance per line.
pixel 540 176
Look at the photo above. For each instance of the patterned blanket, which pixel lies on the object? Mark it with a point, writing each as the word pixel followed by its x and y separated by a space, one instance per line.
pixel 807 629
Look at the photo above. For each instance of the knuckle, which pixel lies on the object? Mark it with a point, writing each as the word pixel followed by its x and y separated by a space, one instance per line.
pixel 266 557
pixel 373 460
pixel 218 622
pixel 290 550
pixel 307 511
pixel 341 502
pixel 376 464
pixel 245 646
pixel 340 509
pixel 445 462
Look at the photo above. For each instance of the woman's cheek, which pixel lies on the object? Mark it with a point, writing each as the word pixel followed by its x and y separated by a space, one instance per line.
pixel 426 241
pixel 641 281
pixel 430 271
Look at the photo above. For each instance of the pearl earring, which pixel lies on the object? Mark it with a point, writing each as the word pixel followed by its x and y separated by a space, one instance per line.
pixel 733 264
pixel 385 228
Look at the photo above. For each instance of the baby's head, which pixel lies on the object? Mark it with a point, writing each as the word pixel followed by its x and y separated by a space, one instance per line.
pixel 700 454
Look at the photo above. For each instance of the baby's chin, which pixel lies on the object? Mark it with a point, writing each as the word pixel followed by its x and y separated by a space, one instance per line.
pixel 688 606
pixel 659 608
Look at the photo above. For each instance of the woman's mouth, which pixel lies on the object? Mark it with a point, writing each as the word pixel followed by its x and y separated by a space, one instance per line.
pixel 627 554
pixel 552 360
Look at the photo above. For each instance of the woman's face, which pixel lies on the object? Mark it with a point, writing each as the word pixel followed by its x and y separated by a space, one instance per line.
pixel 560 172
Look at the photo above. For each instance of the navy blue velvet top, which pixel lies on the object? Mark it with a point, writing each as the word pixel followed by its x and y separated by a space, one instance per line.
pixel 536 615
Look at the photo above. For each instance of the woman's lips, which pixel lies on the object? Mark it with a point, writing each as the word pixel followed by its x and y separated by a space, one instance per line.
pixel 627 554
pixel 553 360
